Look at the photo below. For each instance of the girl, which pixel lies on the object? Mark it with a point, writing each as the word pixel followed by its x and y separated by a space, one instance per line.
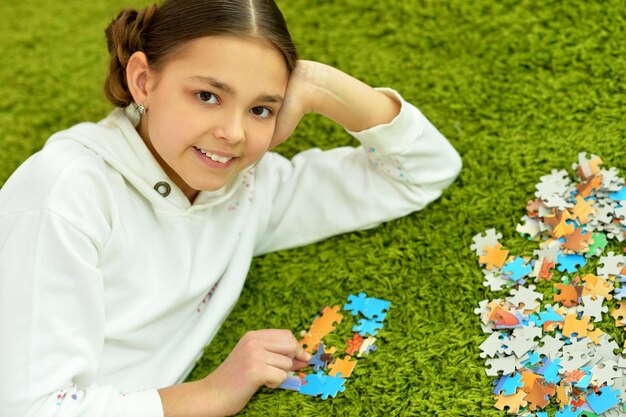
pixel 125 243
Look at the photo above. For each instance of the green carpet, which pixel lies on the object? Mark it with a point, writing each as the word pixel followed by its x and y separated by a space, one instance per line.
pixel 519 88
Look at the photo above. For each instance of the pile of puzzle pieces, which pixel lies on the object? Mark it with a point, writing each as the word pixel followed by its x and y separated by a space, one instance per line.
pixel 331 369
pixel 547 355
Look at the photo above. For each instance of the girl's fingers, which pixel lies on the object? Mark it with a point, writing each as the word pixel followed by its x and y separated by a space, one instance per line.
pixel 281 362
pixel 275 377
pixel 302 355
pixel 297 365
pixel 282 342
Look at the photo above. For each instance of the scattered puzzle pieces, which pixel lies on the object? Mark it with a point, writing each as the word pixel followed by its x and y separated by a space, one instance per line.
pixel 338 369
pixel 551 356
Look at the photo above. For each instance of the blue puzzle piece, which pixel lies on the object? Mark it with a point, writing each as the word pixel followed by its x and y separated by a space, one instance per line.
pixel 517 269
pixel 367 327
pixel 618 195
pixel 316 360
pixel 533 358
pixel 313 384
pixel 499 385
pixel 570 263
pixel 372 308
pixel 603 401
pixel 620 293
pixel 550 371
pixel 292 383
pixel 321 384
pixel 549 315
pixel 512 383
pixel 568 412
pixel 332 386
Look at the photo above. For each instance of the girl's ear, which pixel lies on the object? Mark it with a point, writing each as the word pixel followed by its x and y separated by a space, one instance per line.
pixel 137 74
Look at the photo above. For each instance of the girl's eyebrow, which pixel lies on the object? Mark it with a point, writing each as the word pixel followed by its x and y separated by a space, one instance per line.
pixel 266 98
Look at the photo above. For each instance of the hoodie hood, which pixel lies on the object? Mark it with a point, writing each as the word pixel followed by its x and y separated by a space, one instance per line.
pixel 117 142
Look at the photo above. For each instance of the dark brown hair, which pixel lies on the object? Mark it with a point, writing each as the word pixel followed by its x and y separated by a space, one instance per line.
pixel 160 31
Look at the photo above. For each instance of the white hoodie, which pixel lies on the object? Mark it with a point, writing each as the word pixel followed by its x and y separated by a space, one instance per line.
pixel 110 290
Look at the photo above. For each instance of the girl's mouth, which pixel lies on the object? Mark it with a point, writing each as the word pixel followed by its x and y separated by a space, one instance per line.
pixel 214 157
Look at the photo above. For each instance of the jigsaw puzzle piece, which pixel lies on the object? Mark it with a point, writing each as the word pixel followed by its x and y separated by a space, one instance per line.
pixel 332 386
pixel 313 384
pixel 323 356
pixel 494 257
pixel 372 308
pixel 324 324
pixel 354 344
pixel 511 384
pixel 517 268
pixel 512 402
pixel 292 383
pixel 367 346
pixel 604 400
pixel 618 195
pixel 367 327
pixel 342 367
pixel 570 263
pixel 309 341
pixel 324 385
pixel 490 238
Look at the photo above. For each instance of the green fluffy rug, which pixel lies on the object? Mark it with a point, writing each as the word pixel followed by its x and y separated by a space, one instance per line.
pixel 518 87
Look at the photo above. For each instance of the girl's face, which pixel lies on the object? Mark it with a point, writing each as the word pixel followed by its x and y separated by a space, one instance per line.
pixel 212 110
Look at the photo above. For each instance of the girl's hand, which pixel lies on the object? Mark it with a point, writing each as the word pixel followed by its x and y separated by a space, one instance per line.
pixel 320 88
pixel 261 357
pixel 302 92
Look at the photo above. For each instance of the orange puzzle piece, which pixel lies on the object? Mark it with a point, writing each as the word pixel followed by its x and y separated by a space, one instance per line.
pixel 494 256
pixel 569 294
pixel 574 325
pixel 513 402
pixel 597 286
pixel 343 366
pixel 354 344
pixel 322 325
pixel 619 314
pixel 537 397
pixel 578 241
pixel 592 184
pixel 309 341
pixel 566 226
pixel 583 210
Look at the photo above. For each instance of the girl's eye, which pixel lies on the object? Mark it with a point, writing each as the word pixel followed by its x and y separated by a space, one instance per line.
pixel 206 97
pixel 263 112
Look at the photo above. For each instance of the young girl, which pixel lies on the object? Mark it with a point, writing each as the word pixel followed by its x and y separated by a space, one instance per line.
pixel 124 244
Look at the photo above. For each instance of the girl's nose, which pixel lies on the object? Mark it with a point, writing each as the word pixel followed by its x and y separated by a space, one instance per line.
pixel 231 129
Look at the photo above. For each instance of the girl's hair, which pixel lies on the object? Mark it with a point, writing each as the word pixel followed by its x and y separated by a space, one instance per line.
pixel 160 31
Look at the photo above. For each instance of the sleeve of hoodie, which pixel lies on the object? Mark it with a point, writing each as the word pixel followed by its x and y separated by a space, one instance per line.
pixel 52 296
pixel 399 168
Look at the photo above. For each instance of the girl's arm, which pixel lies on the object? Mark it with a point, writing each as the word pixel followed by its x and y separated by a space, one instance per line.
pixel 261 357
pixel 403 163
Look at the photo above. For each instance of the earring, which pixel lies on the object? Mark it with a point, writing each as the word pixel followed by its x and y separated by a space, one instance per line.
pixel 141 109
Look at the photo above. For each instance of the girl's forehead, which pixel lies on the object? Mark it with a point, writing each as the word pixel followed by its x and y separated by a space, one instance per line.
pixel 229 51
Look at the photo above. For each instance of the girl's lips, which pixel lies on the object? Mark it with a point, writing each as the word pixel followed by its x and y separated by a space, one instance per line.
pixel 228 160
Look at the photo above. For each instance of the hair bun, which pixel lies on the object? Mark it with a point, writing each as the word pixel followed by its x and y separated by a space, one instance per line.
pixel 124 38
